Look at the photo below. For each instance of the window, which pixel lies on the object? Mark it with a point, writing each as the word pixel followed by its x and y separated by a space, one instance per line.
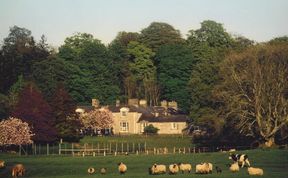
pixel 174 126
pixel 124 126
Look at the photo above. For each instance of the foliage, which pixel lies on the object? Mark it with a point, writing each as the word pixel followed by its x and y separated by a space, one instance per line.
pixel 96 77
pixel 19 53
pixel 15 90
pixel 158 34
pixel 15 132
pixel 175 63
pixel 97 119
pixel 254 90
pixel 33 109
pixel 4 106
pixel 67 123
pixel 150 129
pixel 141 82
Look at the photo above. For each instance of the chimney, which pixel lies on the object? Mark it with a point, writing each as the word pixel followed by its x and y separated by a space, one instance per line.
pixel 164 104
pixel 133 102
pixel 143 103
pixel 95 103
pixel 117 103
pixel 173 104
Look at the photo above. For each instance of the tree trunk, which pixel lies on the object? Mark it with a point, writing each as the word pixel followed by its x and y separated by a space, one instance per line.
pixel 270 142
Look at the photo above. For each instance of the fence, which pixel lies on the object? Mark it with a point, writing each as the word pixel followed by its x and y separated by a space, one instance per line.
pixel 110 148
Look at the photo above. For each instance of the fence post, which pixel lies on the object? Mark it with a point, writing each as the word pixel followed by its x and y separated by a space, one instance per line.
pixel 145 147
pixel 47 149
pixel 174 150
pixel 116 147
pixel 122 145
pixel 59 148
pixel 19 150
pixel 133 146
pixel 139 147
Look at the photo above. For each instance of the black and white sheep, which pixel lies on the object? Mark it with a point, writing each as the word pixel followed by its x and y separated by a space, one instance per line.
pixel 240 158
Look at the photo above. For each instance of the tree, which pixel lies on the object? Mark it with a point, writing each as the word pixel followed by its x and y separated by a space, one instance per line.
pixel 92 58
pixel 15 132
pixel 67 123
pixel 175 64
pixel 97 119
pixel 33 109
pixel 150 129
pixel 4 106
pixel 19 53
pixel 142 73
pixel 158 34
pixel 254 90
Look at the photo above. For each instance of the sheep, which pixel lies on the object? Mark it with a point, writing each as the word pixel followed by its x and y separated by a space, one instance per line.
pixel 240 158
pixel 122 168
pixel 2 164
pixel 232 150
pixel 157 169
pixel 185 167
pixel 255 171
pixel 173 169
pixel 91 170
pixel 218 169
pixel 202 168
pixel 210 165
pixel 234 167
pixel 18 170
pixel 103 170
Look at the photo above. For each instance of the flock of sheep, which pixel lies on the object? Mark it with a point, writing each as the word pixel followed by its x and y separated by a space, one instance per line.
pixel 239 160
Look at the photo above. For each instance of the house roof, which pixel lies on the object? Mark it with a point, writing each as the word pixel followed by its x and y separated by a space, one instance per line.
pixel 148 113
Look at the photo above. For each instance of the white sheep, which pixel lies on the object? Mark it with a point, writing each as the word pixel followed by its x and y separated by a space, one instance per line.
pixel 185 167
pixel 173 169
pixel 202 168
pixel 91 170
pixel 255 171
pixel 210 165
pixel 103 170
pixel 234 167
pixel 122 168
pixel 157 169
pixel 2 164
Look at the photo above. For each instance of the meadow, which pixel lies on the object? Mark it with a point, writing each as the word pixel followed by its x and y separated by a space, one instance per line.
pixel 274 162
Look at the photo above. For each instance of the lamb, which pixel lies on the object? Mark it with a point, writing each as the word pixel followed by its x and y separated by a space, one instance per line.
pixel 240 158
pixel 157 169
pixel 202 168
pixel 173 169
pixel 122 168
pixel 255 171
pixel 91 170
pixel 234 167
pixel 185 167
pixel 2 164
pixel 103 170
pixel 18 170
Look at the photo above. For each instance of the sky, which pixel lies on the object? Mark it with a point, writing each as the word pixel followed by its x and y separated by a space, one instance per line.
pixel 259 20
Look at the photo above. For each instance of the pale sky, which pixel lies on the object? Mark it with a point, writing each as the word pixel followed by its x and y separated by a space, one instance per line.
pixel 259 20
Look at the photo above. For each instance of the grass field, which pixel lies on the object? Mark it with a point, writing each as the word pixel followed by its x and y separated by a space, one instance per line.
pixel 274 162
pixel 158 141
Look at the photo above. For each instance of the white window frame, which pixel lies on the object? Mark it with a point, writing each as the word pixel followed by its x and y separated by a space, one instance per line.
pixel 174 126
pixel 124 126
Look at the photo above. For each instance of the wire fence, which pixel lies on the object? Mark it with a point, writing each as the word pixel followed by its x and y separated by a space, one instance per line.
pixel 111 148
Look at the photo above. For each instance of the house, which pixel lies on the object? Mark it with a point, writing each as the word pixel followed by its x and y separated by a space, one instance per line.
pixel 133 117
pixel 136 115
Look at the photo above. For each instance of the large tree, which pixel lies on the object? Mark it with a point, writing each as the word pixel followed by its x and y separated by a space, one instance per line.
pixel 92 58
pixel 254 90
pixel 67 122
pixel 175 64
pixel 33 109
pixel 19 53
pixel 158 34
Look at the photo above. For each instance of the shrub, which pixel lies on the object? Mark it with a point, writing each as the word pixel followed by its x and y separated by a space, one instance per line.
pixel 150 129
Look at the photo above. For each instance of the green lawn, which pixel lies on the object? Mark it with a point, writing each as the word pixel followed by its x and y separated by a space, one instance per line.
pixel 274 163
pixel 158 141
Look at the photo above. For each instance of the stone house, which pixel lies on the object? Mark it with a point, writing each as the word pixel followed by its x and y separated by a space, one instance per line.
pixel 133 117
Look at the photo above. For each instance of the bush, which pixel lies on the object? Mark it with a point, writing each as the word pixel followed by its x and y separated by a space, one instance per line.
pixel 150 129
